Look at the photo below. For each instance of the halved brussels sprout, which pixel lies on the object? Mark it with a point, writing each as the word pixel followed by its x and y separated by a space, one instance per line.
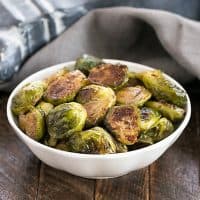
pixel 159 131
pixel 44 107
pixel 148 117
pixel 114 76
pixel 170 111
pixel 123 123
pixel 137 95
pixel 96 100
pixel 33 124
pixel 27 97
pixel 65 119
pixel 86 62
pixel 92 141
pixel 161 88
pixel 65 87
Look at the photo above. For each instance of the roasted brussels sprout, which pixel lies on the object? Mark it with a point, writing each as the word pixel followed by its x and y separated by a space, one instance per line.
pixel 114 76
pixel 44 107
pixel 27 97
pixel 172 112
pixel 95 141
pixel 65 119
pixel 137 95
pixel 161 88
pixel 135 108
pixel 123 123
pixel 159 131
pixel 148 117
pixel 86 62
pixel 96 100
pixel 65 87
pixel 33 124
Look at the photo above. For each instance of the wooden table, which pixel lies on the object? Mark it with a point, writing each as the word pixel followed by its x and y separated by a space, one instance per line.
pixel 175 176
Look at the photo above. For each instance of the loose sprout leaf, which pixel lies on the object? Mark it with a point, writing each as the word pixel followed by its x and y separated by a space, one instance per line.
pixel 172 112
pixel 137 95
pixel 62 145
pixel 50 141
pixel 123 123
pixel 120 148
pixel 114 76
pixel 133 80
pixel 161 88
pixel 86 62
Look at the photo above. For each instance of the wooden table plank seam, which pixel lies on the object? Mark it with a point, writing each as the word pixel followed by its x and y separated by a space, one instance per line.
pixel 149 184
pixel 38 183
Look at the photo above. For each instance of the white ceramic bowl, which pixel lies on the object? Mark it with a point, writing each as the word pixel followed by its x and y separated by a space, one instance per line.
pixel 96 166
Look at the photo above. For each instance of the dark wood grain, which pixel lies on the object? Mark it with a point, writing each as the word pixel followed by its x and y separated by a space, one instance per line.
pixel 55 184
pixel 131 186
pixel 176 174
pixel 18 167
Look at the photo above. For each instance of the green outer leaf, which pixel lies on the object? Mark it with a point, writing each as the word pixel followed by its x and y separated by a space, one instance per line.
pixel 65 119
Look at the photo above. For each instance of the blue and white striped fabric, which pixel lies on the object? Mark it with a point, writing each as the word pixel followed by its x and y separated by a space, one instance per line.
pixel 27 25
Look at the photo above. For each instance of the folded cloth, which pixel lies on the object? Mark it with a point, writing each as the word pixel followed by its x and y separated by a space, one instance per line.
pixel 152 37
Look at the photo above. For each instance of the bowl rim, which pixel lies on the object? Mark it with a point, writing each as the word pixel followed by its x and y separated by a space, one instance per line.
pixel 24 137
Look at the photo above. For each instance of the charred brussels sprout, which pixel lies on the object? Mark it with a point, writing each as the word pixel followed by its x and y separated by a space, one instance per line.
pixel 27 97
pixel 65 119
pixel 86 62
pixel 159 131
pixel 96 100
pixel 32 123
pixel 114 76
pixel 148 117
pixel 137 95
pixel 65 87
pixel 94 141
pixel 44 107
pixel 65 110
pixel 161 88
pixel 123 123
pixel 170 111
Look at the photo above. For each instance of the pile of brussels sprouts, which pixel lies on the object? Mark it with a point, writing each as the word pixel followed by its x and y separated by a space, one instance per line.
pixel 99 108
